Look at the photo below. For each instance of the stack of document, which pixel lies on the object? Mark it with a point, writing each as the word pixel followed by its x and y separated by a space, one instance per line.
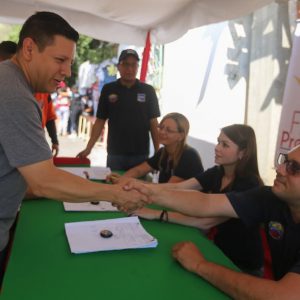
pixel 96 173
pixel 90 206
pixel 125 233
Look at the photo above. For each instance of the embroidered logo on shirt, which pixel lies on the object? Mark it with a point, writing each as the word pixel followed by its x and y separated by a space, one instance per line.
pixel 141 97
pixel 276 230
pixel 112 98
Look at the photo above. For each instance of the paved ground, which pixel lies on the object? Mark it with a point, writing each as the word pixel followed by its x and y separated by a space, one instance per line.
pixel 72 146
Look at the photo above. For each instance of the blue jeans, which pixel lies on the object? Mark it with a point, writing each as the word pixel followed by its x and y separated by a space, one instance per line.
pixel 124 162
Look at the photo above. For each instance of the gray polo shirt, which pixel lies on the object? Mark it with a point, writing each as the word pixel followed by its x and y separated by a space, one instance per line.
pixel 22 141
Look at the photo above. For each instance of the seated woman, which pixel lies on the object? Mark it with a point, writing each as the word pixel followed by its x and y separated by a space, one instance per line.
pixel 175 161
pixel 236 170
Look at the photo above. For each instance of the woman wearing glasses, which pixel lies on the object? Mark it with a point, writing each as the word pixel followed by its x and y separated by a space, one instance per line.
pixel 236 170
pixel 175 161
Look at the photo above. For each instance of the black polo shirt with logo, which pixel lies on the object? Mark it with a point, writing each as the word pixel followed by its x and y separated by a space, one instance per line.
pixel 129 111
pixel 241 243
pixel 283 234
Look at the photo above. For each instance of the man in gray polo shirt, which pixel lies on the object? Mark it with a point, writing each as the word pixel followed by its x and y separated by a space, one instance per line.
pixel 45 53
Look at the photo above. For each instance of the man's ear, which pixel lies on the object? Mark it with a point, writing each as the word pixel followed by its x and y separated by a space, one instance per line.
pixel 28 48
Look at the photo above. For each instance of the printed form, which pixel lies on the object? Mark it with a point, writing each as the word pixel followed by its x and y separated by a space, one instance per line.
pixel 126 233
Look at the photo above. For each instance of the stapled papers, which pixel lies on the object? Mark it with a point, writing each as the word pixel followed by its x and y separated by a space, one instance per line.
pixel 126 233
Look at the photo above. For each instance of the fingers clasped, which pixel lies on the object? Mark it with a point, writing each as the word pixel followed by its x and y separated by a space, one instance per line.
pixel 130 200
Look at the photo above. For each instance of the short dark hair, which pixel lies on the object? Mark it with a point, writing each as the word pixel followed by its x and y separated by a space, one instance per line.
pixel 7 49
pixel 43 26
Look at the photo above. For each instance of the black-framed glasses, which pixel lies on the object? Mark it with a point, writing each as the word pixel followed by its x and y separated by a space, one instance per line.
pixel 166 129
pixel 292 167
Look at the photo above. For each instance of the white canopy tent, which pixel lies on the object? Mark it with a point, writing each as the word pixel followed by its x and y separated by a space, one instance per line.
pixel 257 64
pixel 127 22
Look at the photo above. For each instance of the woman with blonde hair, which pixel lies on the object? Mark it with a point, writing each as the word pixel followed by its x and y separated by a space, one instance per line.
pixel 175 161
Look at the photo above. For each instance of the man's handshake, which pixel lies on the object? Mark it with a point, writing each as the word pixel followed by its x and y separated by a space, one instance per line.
pixel 134 194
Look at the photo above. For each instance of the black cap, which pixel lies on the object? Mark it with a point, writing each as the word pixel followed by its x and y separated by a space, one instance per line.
pixel 128 52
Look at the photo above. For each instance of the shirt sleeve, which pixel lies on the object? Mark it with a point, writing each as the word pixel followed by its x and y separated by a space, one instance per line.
pixel 252 205
pixel 22 137
pixel 207 178
pixel 102 110
pixel 154 111
pixel 245 183
pixel 189 164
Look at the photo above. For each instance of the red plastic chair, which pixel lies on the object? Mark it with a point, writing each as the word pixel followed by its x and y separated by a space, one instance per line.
pixel 71 161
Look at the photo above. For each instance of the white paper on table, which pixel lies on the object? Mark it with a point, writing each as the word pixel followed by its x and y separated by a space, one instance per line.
pixel 128 233
pixel 97 173
pixel 88 206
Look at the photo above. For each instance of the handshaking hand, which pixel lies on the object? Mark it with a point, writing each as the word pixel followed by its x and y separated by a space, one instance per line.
pixel 148 190
pixel 129 200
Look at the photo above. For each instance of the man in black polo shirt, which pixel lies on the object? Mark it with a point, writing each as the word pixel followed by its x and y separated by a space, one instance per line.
pixel 131 108
pixel 278 207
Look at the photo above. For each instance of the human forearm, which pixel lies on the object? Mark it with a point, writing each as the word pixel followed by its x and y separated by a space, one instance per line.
pixel 155 142
pixel 237 285
pixel 172 217
pixel 51 128
pixel 47 181
pixel 243 286
pixel 133 173
pixel 189 184
pixel 95 134
pixel 138 171
pixel 201 223
pixel 29 194
pixel 154 133
pixel 64 186
pixel 182 219
pixel 192 203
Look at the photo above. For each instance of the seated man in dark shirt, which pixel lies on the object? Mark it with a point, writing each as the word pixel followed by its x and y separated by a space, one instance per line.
pixel 278 207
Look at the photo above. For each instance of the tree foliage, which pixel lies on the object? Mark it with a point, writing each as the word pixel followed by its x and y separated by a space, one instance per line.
pixel 14 33
pixel 87 49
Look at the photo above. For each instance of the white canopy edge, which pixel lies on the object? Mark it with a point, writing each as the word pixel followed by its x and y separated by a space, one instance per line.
pixel 199 13
pixel 196 13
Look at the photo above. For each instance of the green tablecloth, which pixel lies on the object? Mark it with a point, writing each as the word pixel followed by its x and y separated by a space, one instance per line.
pixel 41 266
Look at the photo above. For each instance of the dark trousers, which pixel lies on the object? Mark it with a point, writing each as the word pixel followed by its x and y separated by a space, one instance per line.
pixel 3 258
